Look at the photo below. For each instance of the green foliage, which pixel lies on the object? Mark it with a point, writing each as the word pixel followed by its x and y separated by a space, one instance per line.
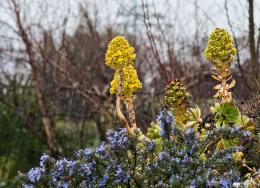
pixel 22 138
pixel 154 134
pixel 225 114
pixel 193 118
pixel 154 131
pixel 19 148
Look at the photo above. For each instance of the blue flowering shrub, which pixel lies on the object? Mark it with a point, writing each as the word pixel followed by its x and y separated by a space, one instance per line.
pixel 139 162
pixel 180 148
pixel 177 160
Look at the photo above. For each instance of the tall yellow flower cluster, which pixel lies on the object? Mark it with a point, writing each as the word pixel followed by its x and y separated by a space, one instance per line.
pixel 221 52
pixel 120 57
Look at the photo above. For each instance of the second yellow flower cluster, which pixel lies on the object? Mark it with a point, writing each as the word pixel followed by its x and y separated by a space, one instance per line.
pixel 120 57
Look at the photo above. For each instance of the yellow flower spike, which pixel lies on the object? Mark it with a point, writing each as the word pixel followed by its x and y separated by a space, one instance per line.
pixel 237 156
pixel 119 53
pixel 221 52
pixel 120 57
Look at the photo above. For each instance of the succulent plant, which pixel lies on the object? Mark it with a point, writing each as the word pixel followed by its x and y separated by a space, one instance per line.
pixel 225 114
pixel 154 131
pixel 193 118
pixel 221 51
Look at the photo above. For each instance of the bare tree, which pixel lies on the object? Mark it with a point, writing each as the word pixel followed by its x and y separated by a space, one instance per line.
pixel 47 125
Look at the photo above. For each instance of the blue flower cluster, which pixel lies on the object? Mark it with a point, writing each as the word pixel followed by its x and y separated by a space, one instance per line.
pixel 166 121
pixel 34 174
pixel 118 139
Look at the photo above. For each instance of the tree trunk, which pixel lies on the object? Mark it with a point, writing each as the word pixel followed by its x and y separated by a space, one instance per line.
pixel 251 41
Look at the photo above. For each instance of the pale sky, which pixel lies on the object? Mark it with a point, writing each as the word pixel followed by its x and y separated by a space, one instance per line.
pixel 210 12
pixel 181 14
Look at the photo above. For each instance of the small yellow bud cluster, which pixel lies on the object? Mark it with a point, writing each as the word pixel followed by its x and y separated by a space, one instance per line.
pixel 177 99
pixel 120 57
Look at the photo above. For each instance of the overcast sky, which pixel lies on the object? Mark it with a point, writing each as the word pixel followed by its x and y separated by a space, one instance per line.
pixel 210 12
pixel 181 14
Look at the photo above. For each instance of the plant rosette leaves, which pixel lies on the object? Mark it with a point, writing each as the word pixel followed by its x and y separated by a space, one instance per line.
pixel 225 114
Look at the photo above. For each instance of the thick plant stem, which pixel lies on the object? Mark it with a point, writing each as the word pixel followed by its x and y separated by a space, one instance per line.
pixel 252 170
pixel 118 106
pixel 121 115
pixel 131 112
pixel 224 93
